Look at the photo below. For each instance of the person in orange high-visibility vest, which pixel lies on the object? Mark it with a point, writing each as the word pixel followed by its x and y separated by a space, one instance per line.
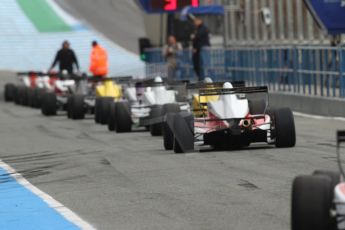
pixel 98 60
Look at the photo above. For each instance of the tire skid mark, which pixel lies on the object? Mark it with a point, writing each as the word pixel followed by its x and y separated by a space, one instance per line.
pixel 248 185
pixel 11 113
pixel 86 136
pixel 49 132
pixel 71 179
pixel 105 161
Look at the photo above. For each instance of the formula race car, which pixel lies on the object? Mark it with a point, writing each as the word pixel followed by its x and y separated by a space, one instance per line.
pixel 145 105
pixel 29 89
pixel 109 91
pixel 93 95
pixel 318 200
pixel 56 93
pixel 78 95
pixel 229 118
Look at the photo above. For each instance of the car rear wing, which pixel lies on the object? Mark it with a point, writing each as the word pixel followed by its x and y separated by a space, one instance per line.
pixel 31 73
pixel 47 74
pixel 150 82
pixel 117 79
pixel 240 90
pixel 204 85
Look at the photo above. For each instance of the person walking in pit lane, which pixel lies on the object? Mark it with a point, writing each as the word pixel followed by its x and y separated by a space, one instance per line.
pixel 66 58
pixel 200 39
pixel 98 60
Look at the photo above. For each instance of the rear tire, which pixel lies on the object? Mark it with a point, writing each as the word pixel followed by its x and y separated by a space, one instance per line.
pixel 183 136
pixel 310 203
pixel 104 109
pixel 30 95
pixel 112 116
pixel 69 107
pixel 123 120
pixel 156 129
pixel 76 107
pixel 9 93
pixel 169 110
pixel 168 135
pixel 97 110
pixel 38 97
pixel 284 128
pixel 49 104
pixel 34 98
pixel 24 96
pixel 18 95
pixel 177 147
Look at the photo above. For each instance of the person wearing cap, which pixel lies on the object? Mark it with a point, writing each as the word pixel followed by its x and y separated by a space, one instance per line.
pixel 98 60
pixel 200 39
pixel 66 58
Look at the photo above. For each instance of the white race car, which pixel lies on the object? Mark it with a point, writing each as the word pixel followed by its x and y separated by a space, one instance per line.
pixel 318 200
pixel 228 118
pixel 144 105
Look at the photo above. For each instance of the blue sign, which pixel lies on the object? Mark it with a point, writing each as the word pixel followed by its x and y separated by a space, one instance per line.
pixel 329 14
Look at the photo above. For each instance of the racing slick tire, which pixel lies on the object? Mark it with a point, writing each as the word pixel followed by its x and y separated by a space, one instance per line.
pixel 97 110
pixel 76 107
pixel 168 136
pixel 38 97
pixel 123 120
pixel 156 129
pixel 284 128
pixel 30 95
pixel 311 203
pixel 183 136
pixel 35 98
pixel 49 104
pixel 333 175
pixel 104 107
pixel 17 95
pixel 112 118
pixel 25 98
pixel 9 93
pixel 257 106
pixel 69 107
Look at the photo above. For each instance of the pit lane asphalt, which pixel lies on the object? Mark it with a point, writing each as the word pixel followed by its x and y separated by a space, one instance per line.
pixel 127 181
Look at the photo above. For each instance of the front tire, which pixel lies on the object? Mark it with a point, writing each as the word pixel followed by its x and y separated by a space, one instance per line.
pixel 310 203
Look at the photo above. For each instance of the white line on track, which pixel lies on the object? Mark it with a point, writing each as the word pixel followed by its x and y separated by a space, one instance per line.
pixel 60 208
pixel 318 117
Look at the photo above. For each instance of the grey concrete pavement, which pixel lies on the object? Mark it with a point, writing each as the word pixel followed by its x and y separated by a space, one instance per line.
pixel 120 20
pixel 127 181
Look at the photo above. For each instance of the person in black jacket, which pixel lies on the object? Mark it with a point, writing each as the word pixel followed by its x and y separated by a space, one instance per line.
pixel 66 58
pixel 201 39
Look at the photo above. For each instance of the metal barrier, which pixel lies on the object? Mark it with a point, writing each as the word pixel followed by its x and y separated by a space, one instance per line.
pixel 309 70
